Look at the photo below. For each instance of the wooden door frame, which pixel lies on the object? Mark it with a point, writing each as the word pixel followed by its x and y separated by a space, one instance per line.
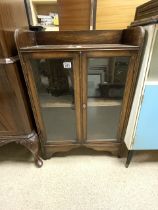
pixel 123 119
pixel 29 77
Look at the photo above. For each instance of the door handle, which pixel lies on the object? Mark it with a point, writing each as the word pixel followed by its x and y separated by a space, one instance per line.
pixel 84 106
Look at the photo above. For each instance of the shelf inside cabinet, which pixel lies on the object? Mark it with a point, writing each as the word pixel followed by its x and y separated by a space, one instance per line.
pixel 43 8
pixel 93 102
pixel 48 101
pixel 65 101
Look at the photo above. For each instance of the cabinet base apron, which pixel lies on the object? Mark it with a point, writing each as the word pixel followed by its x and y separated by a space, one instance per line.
pixel 30 141
pixel 51 149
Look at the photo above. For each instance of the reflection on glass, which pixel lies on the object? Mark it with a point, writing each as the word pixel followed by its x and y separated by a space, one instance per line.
pixel 54 81
pixel 106 83
pixel 153 71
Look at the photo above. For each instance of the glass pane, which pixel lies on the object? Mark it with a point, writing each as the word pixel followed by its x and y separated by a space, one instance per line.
pixel 54 80
pixel 153 71
pixel 106 83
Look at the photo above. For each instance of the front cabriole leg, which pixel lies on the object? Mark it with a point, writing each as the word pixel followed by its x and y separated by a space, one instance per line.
pixel 32 144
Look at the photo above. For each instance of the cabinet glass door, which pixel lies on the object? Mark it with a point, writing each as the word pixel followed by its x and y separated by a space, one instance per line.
pixel 106 79
pixel 56 87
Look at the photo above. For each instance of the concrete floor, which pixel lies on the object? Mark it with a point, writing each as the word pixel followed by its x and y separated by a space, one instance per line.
pixel 80 180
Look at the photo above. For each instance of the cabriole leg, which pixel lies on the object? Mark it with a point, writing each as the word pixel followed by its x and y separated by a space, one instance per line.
pixel 32 144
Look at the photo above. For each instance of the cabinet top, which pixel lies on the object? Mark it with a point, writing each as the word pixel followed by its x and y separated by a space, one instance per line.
pixel 83 47
pixel 127 39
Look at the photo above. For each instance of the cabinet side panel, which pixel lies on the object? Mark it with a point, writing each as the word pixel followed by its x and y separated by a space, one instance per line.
pixel 12 16
pixel 136 102
pixel 146 133
pixel 13 116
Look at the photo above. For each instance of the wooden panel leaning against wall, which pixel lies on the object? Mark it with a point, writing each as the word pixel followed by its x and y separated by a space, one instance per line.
pixel 112 14
pixel 74 15
pixel 16 124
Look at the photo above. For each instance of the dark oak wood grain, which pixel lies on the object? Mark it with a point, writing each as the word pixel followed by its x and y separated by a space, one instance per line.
pixel 12 16
pixel 94 44
pixel 85 47
pixel 129 36
pixel 146 14
pixel 14 113
pixel 16 118
pixel 79 37
pixel 147 10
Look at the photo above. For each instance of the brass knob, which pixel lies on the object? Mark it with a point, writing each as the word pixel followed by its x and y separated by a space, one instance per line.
pixel 84 106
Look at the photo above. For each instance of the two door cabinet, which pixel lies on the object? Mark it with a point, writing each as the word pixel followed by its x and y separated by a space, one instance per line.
pixel 81 85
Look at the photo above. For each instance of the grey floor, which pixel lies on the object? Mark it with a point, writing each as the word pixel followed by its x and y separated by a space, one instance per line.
pixel 79 180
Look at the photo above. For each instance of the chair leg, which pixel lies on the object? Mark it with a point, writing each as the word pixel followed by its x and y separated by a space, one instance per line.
pixel 129 158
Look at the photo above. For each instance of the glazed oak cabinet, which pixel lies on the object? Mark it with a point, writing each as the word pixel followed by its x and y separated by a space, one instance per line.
pixel 16 121
pixel 142 128
pixel 81 85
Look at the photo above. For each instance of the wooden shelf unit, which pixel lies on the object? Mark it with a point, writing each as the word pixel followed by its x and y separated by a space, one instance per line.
pixel 93 123
pixel 42 7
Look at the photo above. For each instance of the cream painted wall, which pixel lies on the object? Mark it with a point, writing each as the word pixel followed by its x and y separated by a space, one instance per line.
pixel 116 14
